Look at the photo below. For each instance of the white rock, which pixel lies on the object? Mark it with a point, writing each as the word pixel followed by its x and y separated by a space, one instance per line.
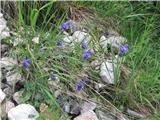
pixel 103 38
pixel 2 24
pixel 5 107
pixel 65 33
pixel 23 112
pixel 99 85
pixel 135 114
pixel 80 36
pixel 4 34
pixel 115 41
pixel 13 78
pixel 8 91
pixel 7 63
pixel 106 72
pixel 1 15
pixel 35 40
pixel 68 39
pixel 90 115
pixel 9 105
pixel 67 107
pixel 17 96
pixel 86 106
pixel 2 96
pixel 4 31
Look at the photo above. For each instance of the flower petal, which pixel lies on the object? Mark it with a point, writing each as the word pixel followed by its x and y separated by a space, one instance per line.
pixel 86 54
pixel 80 85
pixel 83 45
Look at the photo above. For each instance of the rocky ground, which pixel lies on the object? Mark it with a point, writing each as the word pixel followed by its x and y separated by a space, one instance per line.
pixel 12 81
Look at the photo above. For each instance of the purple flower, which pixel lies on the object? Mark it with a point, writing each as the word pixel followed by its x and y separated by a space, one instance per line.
pixel 124 49
pixel 59 43
pixel 83 45
pixel 86 54
pixel 52 77
pixel 65 26
pixel 26 63
pixel 79 86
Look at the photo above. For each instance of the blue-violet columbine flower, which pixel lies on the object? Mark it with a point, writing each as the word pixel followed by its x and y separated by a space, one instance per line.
pixel 83 45
pixel 52 77
pixel 26 63
pixel 59 43
pixel 124 49
pixel 79 86
pixel 86 54
pixel 66 25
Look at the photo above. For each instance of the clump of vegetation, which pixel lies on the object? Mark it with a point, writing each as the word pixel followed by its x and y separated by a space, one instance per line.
pixel 137 89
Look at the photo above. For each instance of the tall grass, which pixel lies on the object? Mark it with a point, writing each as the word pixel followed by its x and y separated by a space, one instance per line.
pixel 137 21
pixel 35 18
